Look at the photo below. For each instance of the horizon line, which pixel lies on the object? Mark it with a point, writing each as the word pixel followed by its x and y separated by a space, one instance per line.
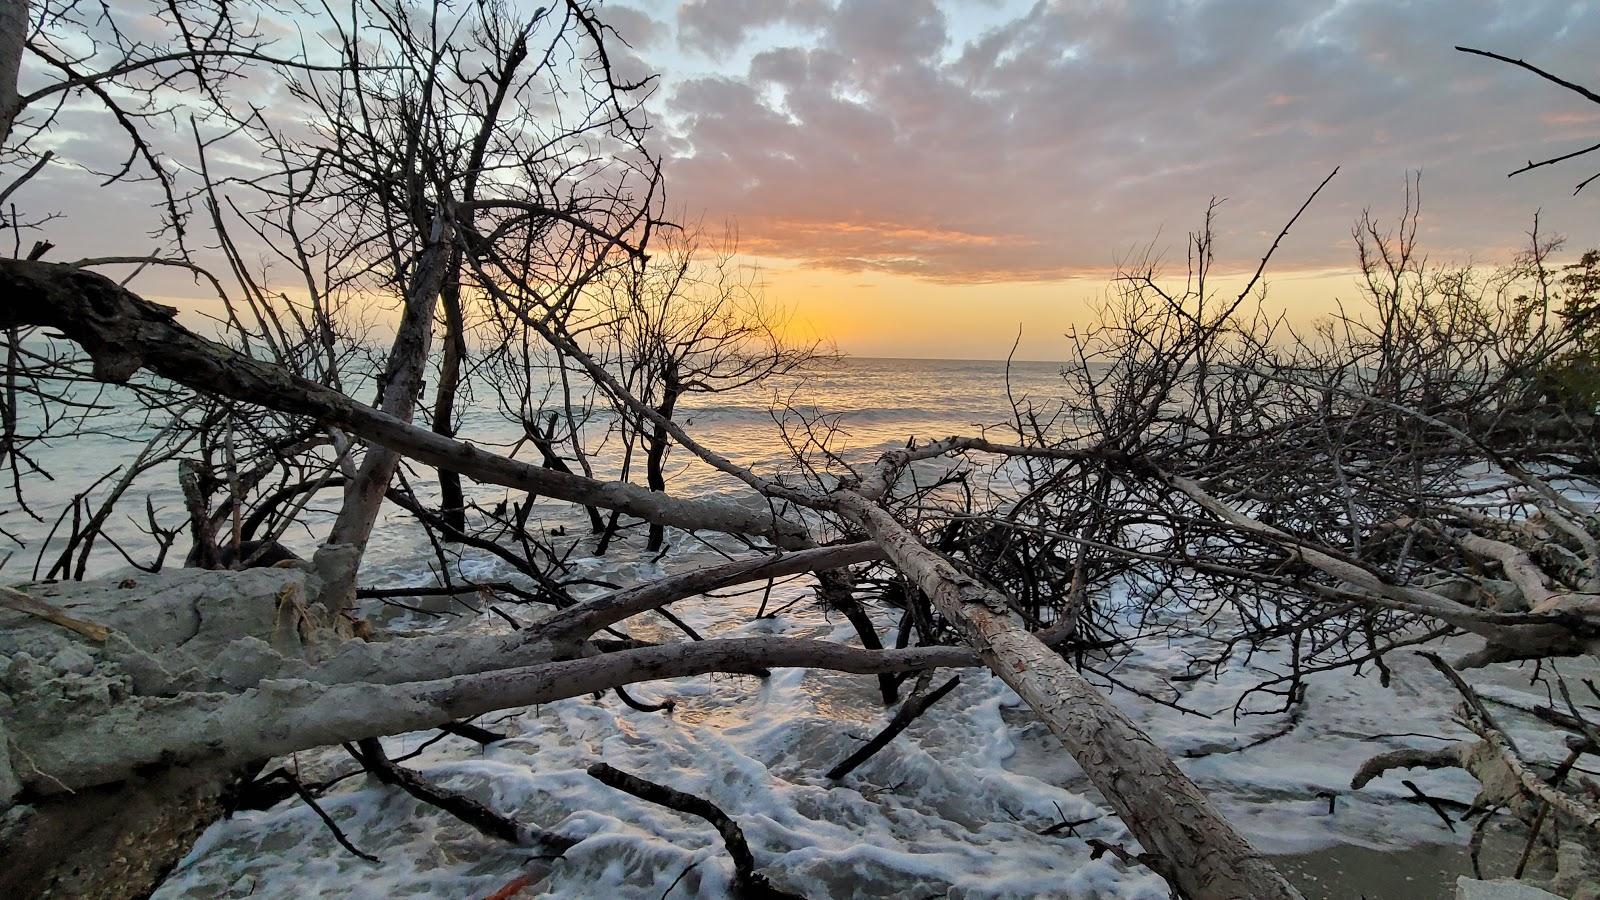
pixel 948 359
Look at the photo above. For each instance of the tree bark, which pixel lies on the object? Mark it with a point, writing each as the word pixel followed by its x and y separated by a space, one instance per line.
pixel 13 34
pixel 283 715
pixel 399 390
pixel 339 558
pixel 1202 855
pixel 452 502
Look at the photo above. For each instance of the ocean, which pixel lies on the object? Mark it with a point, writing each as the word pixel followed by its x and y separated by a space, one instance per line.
pixel 961 805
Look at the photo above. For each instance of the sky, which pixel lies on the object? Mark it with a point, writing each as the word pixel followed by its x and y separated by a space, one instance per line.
pixel 948 178
pixel 924 178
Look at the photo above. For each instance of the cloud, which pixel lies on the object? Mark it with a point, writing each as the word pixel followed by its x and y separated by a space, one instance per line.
pixel 638 28
pixel 1015 141
pixel 717 26
pixel 899 137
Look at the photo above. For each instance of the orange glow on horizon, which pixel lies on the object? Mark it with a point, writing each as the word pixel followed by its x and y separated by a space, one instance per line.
pixel 883 314
pixel 893 315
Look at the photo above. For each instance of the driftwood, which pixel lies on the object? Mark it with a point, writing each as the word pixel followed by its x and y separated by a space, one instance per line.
pixel 1161 806
pixel 1507 781
pixel 11 598
pixel 915 705
pixel 349 695
pixel 369 752
pixel 747 882
pixel 1313 490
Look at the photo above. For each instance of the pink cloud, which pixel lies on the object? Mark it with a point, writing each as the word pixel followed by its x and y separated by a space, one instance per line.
pixel 1055 142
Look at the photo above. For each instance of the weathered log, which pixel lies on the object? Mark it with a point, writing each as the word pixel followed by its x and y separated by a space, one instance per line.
pixel 203 673
pixel 283 715
pixel 161 634
pixel 1202 855
pixel 220 669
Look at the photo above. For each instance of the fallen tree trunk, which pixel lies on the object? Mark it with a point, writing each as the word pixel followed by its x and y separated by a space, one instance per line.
pixel 284 715
pixel 146 699
pixel 150 635
pixel 1201 854
pixel 249 684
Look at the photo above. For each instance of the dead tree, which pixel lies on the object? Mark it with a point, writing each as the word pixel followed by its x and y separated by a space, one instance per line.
pixel 1193 463
pixel 678 326
pixel 1201 853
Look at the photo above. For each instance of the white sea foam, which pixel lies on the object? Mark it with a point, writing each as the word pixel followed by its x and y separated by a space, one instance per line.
pixel 938 812
pixel 953 807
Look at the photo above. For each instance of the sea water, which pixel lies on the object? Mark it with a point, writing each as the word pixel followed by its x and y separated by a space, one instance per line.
pixel 957 806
